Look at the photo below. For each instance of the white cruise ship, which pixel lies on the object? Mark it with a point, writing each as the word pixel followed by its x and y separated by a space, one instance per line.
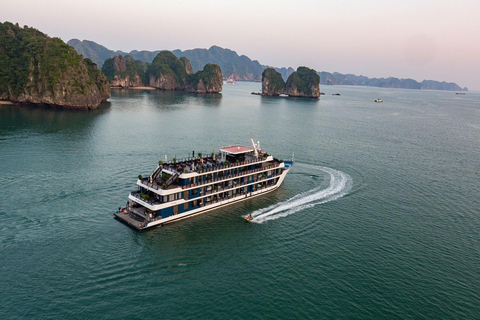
pixel 181 189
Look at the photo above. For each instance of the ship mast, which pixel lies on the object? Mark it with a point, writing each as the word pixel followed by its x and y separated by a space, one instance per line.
pixel 255 146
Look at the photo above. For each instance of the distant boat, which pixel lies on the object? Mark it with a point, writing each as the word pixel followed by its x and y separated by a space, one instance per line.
pixel 461 93
pixel 230 81
pixel 378 100
pixel 335 94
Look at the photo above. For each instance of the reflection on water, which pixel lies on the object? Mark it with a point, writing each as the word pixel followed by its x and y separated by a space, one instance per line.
pixel 169 98
pixel 44 119
pixel 276 100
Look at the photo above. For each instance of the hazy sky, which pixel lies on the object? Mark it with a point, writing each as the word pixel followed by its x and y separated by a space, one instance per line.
pixel 419 39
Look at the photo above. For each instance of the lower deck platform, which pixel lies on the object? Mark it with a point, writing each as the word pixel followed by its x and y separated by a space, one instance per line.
pixel 127 219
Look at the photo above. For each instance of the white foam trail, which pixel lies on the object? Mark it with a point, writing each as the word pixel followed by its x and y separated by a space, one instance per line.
pixel 340 184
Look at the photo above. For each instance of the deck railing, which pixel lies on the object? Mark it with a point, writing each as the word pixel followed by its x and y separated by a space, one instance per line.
pixel 155 186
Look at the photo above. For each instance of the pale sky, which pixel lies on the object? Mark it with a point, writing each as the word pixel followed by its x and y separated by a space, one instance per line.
pixel 418 39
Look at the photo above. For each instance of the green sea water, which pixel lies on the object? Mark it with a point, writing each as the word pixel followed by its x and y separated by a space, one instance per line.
pixel 378 219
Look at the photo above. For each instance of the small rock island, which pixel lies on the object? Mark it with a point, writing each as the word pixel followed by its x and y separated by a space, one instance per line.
pixel 166 72
pixel 37 69
pixel 304 82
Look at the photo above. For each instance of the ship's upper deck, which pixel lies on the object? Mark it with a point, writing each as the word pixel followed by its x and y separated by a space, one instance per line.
pixel 170 175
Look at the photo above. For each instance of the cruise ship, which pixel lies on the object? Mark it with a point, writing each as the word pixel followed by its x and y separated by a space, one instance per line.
pixel 181 189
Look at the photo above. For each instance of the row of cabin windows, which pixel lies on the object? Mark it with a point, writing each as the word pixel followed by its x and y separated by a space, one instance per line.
pixel 223 195
pixel 222 174
pixel 228 183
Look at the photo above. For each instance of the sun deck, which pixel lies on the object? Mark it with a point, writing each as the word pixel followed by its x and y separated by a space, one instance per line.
pixel 165 177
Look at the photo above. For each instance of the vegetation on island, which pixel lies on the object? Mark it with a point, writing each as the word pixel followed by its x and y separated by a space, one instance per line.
pixel 35 68
pixel 272 83
pixel 166 64
pixel 125 71
pixel 166 72
pixel 211 76
pixel 303 82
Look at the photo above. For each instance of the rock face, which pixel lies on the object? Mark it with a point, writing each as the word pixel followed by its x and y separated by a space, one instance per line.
pixel 305 82
pixel 272 83
pixel 209 80
pixel 188 66
pixel 167 72
pixel 37 69
pixel 124 71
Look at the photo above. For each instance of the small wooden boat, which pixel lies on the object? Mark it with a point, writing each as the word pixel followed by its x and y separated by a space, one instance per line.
pixel 378 100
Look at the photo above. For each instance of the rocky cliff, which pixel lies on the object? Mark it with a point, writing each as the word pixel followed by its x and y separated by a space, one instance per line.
pixel 124 71
pixel 272 83
pixel 37 69
pixel 208 80
pixel 305 82
pixel 167 72
pixel 187 65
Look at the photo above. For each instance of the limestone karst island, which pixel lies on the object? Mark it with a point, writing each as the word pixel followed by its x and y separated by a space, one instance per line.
pixel 37 69
pixel 166 72
pixel 304 82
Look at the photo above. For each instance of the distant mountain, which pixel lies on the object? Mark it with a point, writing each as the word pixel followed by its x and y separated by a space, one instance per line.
pixel 232 65
pixel 147 56
pixel 95 52
pixel 336 78
pixel 243 68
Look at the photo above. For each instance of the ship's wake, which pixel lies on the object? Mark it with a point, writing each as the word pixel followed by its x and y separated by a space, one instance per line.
pixel 340 185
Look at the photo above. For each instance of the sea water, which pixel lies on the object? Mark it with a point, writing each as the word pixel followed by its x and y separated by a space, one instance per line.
pixel 378 218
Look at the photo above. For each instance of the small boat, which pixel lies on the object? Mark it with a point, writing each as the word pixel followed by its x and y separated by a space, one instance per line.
pixel 335 94
pixel 230 80
pixel 378 100
pixel 461 93
pixel 249 217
